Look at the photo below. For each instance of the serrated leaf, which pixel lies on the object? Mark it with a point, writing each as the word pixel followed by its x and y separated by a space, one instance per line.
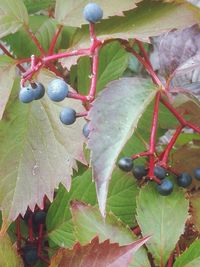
pixel 42 153
pixel 106 254
pixel 89 223
pixel 7 76
pixel 70 13
pixel 37 5
pixel 157 215
pixel 150 18
pixel 190 257
pixel 8 253
pixel 121 201
pixel 13 14
pixel 113 118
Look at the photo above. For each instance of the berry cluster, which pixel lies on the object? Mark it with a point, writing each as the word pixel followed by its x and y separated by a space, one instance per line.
pixel 31 250
pixel 165 186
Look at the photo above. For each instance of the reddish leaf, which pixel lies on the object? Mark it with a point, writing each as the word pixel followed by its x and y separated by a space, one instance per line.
pixel 97 254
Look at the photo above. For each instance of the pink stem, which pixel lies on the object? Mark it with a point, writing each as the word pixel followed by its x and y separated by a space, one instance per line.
pixel 136 230
pixel 142 154
pixel 144 53
pixel 77 96
pixel 54 40
pixel 40 238
pixel 170 261
pixel 93 84
pixel 153 138
pixel 35 40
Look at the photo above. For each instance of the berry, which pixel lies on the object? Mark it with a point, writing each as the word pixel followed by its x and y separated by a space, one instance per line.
pixel 160 172
pixel 86 130
pixel 125 164
pixel 165 188
pixel 39 91
pixel 139 171
pixel 39 217
pixel 197 173
pixel 68 116
pixel 30 255
pixel 92 12
pixel 184 179
pixel 57 90
pixel 26 94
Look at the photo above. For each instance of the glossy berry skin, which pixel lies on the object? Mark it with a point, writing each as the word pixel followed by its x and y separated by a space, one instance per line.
pixel 197 173
pixel 68 116
pixel 184 179
pixel 26 94
pixel 139 171
pixel 39 91
pixel 125 164
pixel 39 217
pixel 30 255
pixel 86 130
pixel 160 172
pixel 92 12
pixel 57 90
pixel 165 188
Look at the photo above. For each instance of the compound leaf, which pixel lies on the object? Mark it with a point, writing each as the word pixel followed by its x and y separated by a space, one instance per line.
pixel 157 215
pixel 99 254
pixel 70 13
pixel 7 76
pixel 13 14
pixel 113 118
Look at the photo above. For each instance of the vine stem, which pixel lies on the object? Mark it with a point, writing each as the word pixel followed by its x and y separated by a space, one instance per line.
pixel 144 53
pixel 170 261
pixel 93 84
pixel 18 230
pixel 54 40
pixel 40 237
pixel 152 142
pixel 142 154
pixel 30 228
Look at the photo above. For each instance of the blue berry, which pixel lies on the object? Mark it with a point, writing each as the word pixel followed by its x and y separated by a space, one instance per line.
pixel 68 116
pixel 26 94
pixel 39 91
pixel 92 12
pixel 57 90
pixel 39 217
pixel 165 188
pixel 125 164
pixel 197 173
pixel 184 179
pixel 160 172
pixel 139 171
pixel 86 130
pixel 30 254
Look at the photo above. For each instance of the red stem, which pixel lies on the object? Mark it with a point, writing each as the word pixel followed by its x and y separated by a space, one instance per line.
pixel 30 228
pixel 81 114
pixel 40 238
pixel 54 40
pixel 136 230
pixel 93 84
pixel 35 40
pixel 170 146
pixel 18 230
pixel 142 154
pixel 77 96
pixel 182 121
pixel 153 138
pixel 143 51
pixel 170 261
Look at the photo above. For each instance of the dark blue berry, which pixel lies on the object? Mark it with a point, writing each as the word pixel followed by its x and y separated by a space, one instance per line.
pixel 86 130
pixel 165 188
pixel 197 173
pixel 160 172
pixel 92 12
pixel 57 90
pixel 39 217
pixel 125 164
pixel 30 255
pixel 39 91
pixel 184 179
pixel 139 171
pixel 26 94
pixel 68 116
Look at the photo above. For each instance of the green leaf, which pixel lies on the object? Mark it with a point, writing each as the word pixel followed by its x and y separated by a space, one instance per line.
pixel 34 6
pixel 113 60
pixel 162 217
pixel 7 76
pixel 89 223
pixel 70 13
pixel 106 254
pixel 113 118
pixel 195 212
pixel 190 257
pixel 13 14
pixel 8 254
pixel 42 152
pixel 150 18
pixel 121 201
